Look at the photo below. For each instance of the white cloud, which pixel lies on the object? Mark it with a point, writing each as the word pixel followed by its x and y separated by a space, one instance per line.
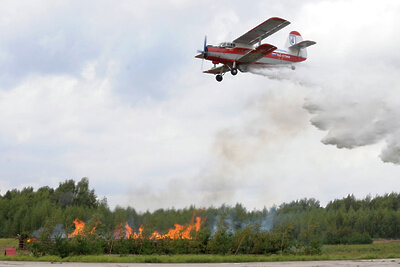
pixel 112 92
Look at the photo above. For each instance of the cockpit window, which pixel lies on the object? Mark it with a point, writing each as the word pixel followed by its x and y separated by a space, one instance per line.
pixel 227 45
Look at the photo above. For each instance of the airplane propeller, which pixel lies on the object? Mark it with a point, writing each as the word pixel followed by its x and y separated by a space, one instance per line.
pixel 205 49
pixel 204 52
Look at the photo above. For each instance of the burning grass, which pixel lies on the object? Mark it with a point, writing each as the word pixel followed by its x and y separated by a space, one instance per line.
pixel 179 231
pixel 84 240
pixel 123 230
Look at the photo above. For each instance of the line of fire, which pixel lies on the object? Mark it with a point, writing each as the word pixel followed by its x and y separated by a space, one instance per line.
pixel 124 231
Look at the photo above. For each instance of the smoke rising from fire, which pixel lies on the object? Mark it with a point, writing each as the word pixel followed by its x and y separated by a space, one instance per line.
pixel 268 121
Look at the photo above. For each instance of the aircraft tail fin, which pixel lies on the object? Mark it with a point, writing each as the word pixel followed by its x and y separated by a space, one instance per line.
pixel 296 46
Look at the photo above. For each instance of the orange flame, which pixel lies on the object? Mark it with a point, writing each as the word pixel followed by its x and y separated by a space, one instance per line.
pixel 29 240
pixel 140 235
pixel 119 232
pixel 80 228
pixel 94 229
pixel 128 231
pixel 179 231
pixel 156 235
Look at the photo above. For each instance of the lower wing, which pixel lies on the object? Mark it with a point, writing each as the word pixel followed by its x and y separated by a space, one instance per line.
pixel 251 57
pixel 218 70
pixel 255 54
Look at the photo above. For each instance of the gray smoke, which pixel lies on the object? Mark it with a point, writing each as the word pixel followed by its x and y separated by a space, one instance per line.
pixel 232 223
pixel 57 231
pixel 38 232
pixel 268 221
pixel 267 123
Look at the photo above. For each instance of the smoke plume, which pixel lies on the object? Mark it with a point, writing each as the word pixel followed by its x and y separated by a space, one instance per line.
pixel 267 122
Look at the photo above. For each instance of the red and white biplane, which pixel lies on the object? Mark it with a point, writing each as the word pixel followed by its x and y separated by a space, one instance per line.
pixel 247 50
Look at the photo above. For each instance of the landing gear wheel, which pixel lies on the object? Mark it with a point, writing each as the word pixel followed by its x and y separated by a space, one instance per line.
pixel 218 77
pixel 234 71
pixel 293 67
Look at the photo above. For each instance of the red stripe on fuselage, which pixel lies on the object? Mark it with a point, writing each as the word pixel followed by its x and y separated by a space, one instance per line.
pixel 242 51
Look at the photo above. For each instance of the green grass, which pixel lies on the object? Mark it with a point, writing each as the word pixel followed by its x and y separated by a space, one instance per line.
pixel 370 251
pixel 7 243
pixel 329 252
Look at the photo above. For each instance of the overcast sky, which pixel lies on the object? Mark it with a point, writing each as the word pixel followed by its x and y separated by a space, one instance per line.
pixel 110 90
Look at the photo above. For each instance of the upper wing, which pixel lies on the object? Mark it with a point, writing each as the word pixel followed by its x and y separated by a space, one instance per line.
pixel 265 29
pixel 218 70
pixel 256 54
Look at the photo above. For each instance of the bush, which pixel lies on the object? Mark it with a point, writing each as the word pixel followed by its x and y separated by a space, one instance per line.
pixel 61 247
pixel 360 239
pixel 90 245
pixel 266 243
pixel 243 241
pixel 313 248
pixel 354 238
pixel 221 242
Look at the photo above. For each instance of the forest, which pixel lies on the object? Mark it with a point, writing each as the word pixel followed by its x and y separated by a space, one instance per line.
pixel 50 218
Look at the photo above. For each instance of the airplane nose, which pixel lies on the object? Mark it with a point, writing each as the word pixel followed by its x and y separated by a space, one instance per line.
pixel 199 56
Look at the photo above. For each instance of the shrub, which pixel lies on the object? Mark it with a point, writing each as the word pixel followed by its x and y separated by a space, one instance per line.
pixel 314 247
pixel 354 238
pixel 61 247
pixel 358 238
pixel 221 242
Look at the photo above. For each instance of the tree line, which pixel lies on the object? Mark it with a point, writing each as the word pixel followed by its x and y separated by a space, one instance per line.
pixel 341 221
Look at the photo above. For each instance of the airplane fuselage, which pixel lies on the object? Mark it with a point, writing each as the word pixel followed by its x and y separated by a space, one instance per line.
pixel 229 55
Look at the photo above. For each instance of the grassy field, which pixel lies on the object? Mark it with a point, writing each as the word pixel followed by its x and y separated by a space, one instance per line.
pixel 7 243
pixel 378 250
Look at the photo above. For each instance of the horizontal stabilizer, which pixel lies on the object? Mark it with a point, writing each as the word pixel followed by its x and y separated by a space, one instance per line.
pixel 302 44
